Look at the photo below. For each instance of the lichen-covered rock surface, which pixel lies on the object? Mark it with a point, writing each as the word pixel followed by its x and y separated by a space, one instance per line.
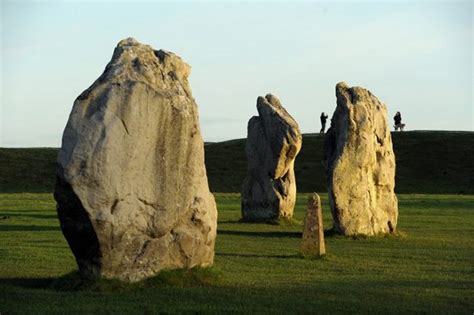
pixel 273 142
pixel 360 164
pixel 132 189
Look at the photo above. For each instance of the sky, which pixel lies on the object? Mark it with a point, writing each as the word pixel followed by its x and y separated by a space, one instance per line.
pixel 415 56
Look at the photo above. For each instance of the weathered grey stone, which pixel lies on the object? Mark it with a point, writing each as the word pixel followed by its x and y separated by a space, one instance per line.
pixel 273 141
pixel 360 164
pixel 132 189
pixel 313 233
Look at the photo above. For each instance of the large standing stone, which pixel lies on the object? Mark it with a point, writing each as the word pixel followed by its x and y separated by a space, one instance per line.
pixel 273 141
pixel 132 190
pixel 313 233
pixel 360 164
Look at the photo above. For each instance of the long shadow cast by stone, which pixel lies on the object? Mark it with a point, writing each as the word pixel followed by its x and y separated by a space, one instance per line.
pixel 327 233
pixel 73 281
pixel 48 244
pixel 260 234
pixel 68 282
pixel 27 228
pixel 259 256
pixel 31 283
pixel 263 222
pixel 32 216
pixel 238 221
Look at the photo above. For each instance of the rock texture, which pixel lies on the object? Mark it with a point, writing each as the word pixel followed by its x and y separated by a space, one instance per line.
pixel 132 190
pixel 273 141
pixel 360 164
pixel 313 233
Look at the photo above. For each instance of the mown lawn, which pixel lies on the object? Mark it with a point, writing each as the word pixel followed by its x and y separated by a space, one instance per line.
pixel 428 269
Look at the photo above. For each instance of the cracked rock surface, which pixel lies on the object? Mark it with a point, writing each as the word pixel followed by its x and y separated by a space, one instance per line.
pixel 360 164
pixel 273 142
pixel 132 190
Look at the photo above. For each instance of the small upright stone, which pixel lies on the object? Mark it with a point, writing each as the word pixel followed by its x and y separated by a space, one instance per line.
pixel 273 141
pixel 313 234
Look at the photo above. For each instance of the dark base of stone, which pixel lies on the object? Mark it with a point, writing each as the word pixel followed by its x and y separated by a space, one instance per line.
pixel 77 229
pixel 259 213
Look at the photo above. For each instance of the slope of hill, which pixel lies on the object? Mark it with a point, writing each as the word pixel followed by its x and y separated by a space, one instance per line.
pixel 427 162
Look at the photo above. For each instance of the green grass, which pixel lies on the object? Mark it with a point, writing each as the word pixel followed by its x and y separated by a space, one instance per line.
pixel 429 268
pixel 427 162
pixel 180 278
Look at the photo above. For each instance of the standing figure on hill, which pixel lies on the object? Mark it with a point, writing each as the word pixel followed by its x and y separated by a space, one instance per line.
pixel 398 122
pixel 323 119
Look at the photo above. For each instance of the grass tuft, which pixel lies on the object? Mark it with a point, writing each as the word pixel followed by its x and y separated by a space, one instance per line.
pixel 195 277
pixel 394 235
pixel 74 282
pixel 312 257
pixel 289 222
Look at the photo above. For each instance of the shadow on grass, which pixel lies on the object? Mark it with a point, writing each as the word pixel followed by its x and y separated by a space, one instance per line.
pixel 196 277
pixel 279 222
pixel 327 233
pixel 31 283
pixel 260 234
pixel 11 215
pixel 29 228
pixel 238 221
pixel 259 256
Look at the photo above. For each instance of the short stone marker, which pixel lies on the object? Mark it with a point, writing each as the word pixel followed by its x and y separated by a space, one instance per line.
pixel 313 234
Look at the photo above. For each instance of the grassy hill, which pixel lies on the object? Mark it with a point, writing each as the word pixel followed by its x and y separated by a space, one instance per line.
pixel 427 162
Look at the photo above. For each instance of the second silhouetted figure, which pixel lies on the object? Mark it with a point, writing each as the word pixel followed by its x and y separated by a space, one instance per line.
pixel 323 118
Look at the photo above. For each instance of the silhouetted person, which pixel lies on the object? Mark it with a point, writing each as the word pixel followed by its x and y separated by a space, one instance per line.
pixel 323 118
pixel 398 122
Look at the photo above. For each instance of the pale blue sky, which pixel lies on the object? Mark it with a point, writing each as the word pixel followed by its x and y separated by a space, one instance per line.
pixel 415 56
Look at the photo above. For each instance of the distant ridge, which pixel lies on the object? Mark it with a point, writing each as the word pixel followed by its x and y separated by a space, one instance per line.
pixel 427 162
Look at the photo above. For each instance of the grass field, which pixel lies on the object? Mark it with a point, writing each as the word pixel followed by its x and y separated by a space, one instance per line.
pixel 428 269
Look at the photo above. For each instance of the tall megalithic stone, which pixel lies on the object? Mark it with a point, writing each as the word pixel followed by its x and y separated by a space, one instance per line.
pixel 273 141
pixel 132 190
pixel 360 164
pixel 313 234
